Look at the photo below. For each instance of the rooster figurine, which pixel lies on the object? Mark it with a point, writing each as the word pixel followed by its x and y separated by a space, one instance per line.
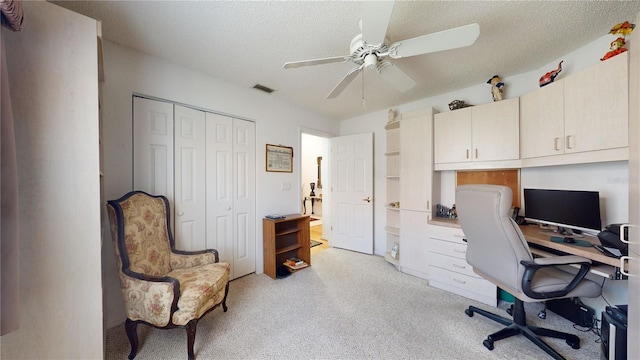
pixel 549 77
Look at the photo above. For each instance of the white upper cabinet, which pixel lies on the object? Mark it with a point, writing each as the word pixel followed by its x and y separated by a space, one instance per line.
pixel 542 121
pixel 596 106
pixel 481 133
pixel 416 162
pixel 585 112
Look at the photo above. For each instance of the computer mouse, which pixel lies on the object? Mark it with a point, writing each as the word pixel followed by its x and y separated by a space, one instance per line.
pixel 569 240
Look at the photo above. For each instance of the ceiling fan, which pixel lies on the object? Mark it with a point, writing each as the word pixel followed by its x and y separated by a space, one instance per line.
pixel 371 49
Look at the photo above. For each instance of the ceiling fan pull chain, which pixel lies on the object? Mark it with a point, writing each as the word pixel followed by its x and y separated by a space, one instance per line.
pixel 364 102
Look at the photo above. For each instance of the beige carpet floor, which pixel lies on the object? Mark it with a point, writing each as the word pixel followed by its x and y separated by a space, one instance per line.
pixel 346 306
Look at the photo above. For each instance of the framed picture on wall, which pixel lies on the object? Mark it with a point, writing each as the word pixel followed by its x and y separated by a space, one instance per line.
pixel 279 158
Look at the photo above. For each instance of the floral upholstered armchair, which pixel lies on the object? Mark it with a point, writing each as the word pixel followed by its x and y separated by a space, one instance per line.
pixel 161 286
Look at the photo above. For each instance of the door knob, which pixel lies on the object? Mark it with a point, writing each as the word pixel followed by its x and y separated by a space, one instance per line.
pixel 180 213
pixel 368 199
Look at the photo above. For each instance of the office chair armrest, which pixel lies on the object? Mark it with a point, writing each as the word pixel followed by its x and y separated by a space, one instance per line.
pixel 561 260
pixel 531 267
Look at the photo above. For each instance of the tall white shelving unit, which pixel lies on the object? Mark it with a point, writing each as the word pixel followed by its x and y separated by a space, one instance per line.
pixel 393 192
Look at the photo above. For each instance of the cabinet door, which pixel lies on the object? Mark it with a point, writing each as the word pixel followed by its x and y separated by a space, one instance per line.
pixel 542 121
pixel 495 131
pixel 416 161
pixel 414 241
pixel 452 136
pixel 596 107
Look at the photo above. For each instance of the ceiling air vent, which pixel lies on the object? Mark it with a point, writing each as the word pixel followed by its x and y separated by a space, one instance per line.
pixel 263 88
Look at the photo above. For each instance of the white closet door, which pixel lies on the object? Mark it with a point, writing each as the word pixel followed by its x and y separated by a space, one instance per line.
pixel 190 190
pixel 153 147
pixel 244 180
pixel 220 189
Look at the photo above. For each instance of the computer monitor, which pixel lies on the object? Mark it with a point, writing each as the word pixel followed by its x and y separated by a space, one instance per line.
pixel 566 209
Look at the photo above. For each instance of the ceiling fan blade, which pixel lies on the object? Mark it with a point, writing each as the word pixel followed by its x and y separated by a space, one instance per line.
pixel 346 80
pixel 375 20
pixel 295 64
pixel 438 41
pixel 396 77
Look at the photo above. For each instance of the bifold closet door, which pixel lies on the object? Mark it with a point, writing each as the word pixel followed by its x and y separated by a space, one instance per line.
pixel 189 179
pixel 153 147
pixel 231 191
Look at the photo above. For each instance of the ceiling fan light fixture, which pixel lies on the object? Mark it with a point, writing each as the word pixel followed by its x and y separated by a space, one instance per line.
pixel 370 61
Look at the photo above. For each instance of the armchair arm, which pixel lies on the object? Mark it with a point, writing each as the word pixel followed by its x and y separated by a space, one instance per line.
pixel 149 298
pixel 531 267
pixel 181 259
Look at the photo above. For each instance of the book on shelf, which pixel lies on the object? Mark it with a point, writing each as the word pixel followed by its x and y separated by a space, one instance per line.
pixel 294 261
pixel 295 267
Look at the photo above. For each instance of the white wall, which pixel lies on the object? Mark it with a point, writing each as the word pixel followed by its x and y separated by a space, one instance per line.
pixel 53 76
pixel 607 176
pixel 277 122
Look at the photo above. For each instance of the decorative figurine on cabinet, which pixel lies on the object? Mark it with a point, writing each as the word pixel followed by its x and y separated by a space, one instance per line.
pixel 313 188
pixel 549 77
pixel 496 87
pixel 617 45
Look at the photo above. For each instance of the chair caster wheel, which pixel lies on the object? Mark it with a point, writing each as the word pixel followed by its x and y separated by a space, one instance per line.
pixel 574 344
pixel 469 312
pixel 488 344
pixel 542 314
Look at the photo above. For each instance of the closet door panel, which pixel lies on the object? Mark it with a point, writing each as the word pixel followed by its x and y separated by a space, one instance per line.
pixel 190 190
pixel 244 171
pixel 220 194
pixel 153 147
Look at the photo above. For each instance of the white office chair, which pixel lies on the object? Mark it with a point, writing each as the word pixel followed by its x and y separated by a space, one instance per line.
pixel 498 252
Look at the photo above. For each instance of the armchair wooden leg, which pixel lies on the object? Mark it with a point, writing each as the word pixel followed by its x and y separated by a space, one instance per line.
pixel 224 301
pixel 191 337
pixel 130 328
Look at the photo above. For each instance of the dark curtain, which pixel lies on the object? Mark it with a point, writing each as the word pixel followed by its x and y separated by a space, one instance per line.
pixel 12 18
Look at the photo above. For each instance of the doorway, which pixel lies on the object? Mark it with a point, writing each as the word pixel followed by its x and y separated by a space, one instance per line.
pixel 313 182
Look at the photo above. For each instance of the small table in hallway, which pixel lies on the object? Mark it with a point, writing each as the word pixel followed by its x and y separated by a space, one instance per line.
pixel 313 200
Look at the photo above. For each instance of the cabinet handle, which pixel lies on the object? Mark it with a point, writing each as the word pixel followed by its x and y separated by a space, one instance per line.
pixel 476 153
pixel 569 137
pixel 459 251
pixel 624 259
pixel 467 153
pixel 556 144
pixel 623 227
pixel 459 266
pixel 428 206
pixel 460 281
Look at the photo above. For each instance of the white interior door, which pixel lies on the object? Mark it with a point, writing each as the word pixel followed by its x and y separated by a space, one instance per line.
pixel 190 162
pixel 352 192
pixel 153 147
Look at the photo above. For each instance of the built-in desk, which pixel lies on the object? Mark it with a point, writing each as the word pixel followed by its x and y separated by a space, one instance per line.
pixel 603 265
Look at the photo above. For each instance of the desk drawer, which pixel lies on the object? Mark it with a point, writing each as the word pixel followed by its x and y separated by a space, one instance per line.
pixel 448 234
pixel 453 249
pixel 451 264
pixel 450 281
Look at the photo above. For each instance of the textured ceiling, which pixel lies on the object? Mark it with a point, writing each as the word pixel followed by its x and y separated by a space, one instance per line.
pixel 247 42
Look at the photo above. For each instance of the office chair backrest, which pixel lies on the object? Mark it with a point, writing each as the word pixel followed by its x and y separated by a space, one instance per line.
pixel 495 244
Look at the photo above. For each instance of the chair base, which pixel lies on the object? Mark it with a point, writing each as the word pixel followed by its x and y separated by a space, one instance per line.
pixel 131 326
pixel 518 325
